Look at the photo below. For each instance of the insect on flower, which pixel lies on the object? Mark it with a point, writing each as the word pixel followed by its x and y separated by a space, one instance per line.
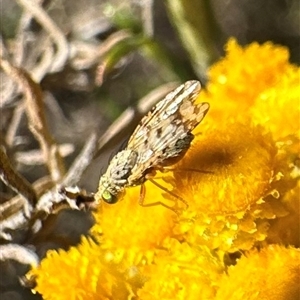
pixel 161 138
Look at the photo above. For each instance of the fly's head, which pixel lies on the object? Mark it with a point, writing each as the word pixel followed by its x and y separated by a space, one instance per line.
pixel 112 184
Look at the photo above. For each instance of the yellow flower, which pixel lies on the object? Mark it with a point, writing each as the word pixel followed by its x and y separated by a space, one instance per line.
pixel 86 272
pixel 250 143
pixel 272 273
pixel 244 73
pixel 240 178
pixel 277 108
pixel 286 230
pixel 229 205
pixel 182 272
pixel 255 82
pixel 127 224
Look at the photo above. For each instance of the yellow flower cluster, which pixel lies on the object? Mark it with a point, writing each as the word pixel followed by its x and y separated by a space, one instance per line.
pixel 241 180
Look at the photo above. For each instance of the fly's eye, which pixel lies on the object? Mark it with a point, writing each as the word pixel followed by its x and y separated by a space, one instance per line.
pixel 108 197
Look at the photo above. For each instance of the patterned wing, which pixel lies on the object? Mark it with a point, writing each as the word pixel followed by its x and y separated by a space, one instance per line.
pixel 167 127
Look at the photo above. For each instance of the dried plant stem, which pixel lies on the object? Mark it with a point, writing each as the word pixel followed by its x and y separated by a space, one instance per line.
pixel 18 253
pixel 147 17
pixel 19 51
pixel 47 23
pixel 14 124
pixel 82 161
pixel 14 180
pixel 37 120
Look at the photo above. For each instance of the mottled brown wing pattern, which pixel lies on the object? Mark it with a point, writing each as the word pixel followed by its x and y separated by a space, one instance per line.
pixel 164 110
pixel 166 130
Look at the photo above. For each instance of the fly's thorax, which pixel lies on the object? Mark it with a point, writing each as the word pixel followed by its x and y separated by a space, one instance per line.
pixel 121 165
pixel 115 179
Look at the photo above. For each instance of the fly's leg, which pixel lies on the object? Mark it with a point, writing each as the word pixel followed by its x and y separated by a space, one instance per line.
pixel 143 192
pixel 142 198
pixel 165 169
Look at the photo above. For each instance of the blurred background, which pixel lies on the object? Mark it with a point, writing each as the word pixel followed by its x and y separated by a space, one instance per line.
pixel 101 57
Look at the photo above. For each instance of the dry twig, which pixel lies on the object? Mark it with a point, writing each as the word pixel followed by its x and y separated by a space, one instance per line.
pixel 57 36
pixel 14 180
pixel 37 121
